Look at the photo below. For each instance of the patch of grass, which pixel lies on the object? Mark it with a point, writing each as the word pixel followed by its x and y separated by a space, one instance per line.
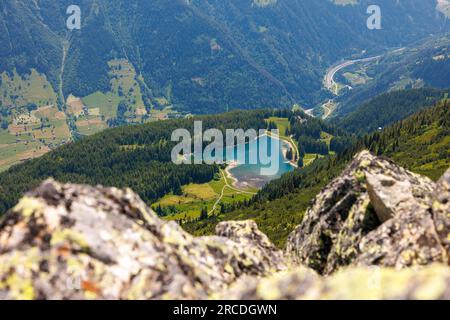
pixel 89 125
pixel 124 87
pixel 18 91
pixel 276 218
pixel 195 197
pixel 162 101
pixel 14 153
pixel 6 137
pixel 357 78
pixel 32 134
pixel 326 137
pixel 124 83
pixel 281 123
pixel 426 154
pixel 309 158
pixel 106 103
pixel 200 191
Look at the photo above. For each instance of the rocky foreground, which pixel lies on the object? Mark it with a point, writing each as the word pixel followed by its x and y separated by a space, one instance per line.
pixel 376 232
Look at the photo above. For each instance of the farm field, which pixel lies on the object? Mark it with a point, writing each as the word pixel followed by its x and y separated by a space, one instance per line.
pixel 19 91
pixel 32 123
pixel 31 134
pixel 14 153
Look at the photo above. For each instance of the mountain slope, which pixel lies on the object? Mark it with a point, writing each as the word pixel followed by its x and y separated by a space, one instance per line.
pixel 422 64
pixel 140 156
pixel 421 143
pixel 389 108
pixel 128 156
pixel 136 61
pixel 204 56
pixel 105 243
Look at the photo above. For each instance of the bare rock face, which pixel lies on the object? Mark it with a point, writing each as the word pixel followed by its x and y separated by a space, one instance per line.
pixel 257 244
pixel 374 213
pixel 394 191
pixel 441 210
pixel 378 231
pixel 425 283
pixel 78 242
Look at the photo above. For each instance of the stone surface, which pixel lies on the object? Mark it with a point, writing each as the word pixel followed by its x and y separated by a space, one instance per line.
pixel 426 283
pixel 377 231
pixel 374 213
pixel 393 190
pixel 407 240
pixel 441 210
pixel 77 242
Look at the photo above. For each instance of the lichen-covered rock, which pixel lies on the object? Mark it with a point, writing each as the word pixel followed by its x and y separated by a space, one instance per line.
pixel 294 284
pixel 408 236
pixel 407 240
pixel 441 210
pixel 394 190
pixel 374 213
pixel 423 283
pixel 247 235
pixel 65 241
pixel 79 242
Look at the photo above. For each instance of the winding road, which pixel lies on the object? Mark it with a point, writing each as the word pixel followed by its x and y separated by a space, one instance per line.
pixel 328 107
pixel 330 84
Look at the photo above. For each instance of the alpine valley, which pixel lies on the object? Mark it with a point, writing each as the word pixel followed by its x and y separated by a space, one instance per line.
pixel 134 62
pixel 89 191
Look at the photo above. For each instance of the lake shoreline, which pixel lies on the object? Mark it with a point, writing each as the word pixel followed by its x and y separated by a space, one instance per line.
pixel 291 145
pixel 233 164
pixel 230 166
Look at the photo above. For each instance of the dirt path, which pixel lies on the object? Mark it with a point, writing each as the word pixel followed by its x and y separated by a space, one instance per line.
pixel 294 146
pixel 329 108
pixel 222 194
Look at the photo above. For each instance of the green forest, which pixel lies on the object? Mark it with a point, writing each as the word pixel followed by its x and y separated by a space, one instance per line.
pixel 420 143
pixel 138 157
pixel 204 57
pixel 388 108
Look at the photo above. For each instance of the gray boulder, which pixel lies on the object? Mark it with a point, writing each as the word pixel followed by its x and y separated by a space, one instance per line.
pixel 79 242
pixel 374 213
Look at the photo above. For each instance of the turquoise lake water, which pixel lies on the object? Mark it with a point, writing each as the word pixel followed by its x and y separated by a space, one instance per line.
pixel 249 175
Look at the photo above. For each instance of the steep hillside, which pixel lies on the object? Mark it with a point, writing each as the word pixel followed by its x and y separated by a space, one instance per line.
pixel 421 143
pixel 140 156
pixel 204 56
pixel 129 156
pixel 422 64
pixel 389 108
pixel 135 62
